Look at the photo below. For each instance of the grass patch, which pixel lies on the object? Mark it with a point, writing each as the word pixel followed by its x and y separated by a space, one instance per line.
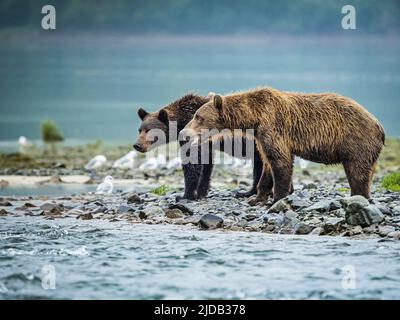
pixel 392 181
pixel 50 132
pixel 161 190
pixel 343 189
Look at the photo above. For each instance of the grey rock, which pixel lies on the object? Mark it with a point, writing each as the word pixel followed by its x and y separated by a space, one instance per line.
pixel 385 210
pixel 291 218
pixel 394 234
pixel 273 218
pixel 317 231
pixel 354 202
pixel 333 225
pixel 303 228
pixel 385 230
pixel 310 186
pixel 56 211
pixel 174 213
pixel 356 230
pixel 74 212
pixel 192 219
pixel 279 206
pixel 384 199
pixel 250 216
pixel 297 204
pixel 182 208
pixel 151 212
pixel 5 203
pixel 209 221
pixel 396 211
pixel 364 216
pixel 124 209
pixel 256 225
pixel 324 206
pixel 134 198
pixel 242 223
pixel 85 216
pixel 48 206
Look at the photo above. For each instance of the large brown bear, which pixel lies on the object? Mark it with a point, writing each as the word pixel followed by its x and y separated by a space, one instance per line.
pixel 325 128
pixel 196 176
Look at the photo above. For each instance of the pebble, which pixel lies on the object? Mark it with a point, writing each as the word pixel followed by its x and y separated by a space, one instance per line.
pixel 210 221
pixel 85 216
pixel 363 216
pixel 5 203
pixel 174 213
pixel 324 206
pixel 303 228
pixel 134 198
pixel 279 206
pixel 317 231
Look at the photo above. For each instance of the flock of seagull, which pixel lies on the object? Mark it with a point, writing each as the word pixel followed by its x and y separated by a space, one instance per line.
pixel 153 163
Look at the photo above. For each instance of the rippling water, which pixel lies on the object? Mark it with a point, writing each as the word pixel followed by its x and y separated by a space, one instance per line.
pixel 93 88
pixel 101 259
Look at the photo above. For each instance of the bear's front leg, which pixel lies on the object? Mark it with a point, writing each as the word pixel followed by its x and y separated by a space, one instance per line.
pixel 205 178
pixel 257 174
pixel 191 174
pixel 275 151
pixel 264 186
pixel 282 171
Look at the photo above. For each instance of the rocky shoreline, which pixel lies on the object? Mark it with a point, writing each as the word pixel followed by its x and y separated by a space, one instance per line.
pixel 319 206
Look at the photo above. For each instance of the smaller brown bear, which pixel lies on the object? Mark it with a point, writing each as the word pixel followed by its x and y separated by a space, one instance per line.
pixel 196 176
pixel 325 128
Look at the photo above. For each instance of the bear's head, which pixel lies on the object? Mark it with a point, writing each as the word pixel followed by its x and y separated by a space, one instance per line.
pixel 153 130
pixel 207 120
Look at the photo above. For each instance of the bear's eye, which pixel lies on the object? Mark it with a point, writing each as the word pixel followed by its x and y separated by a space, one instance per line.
pixel 198 118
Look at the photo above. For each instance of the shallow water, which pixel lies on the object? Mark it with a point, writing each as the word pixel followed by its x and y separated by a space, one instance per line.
pixel 99 259
pixel 60 190
pixel 93 89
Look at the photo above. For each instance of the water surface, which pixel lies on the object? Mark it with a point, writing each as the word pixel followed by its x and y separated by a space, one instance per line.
pixel 93 88
pixel 112 260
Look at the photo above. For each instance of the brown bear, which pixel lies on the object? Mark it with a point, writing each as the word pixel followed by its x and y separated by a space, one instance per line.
pixel 325 128
pixel 196 176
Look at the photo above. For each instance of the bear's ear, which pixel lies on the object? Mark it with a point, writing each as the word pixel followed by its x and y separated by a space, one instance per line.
pixel 218 102
pixel 142 113
pixel 163 116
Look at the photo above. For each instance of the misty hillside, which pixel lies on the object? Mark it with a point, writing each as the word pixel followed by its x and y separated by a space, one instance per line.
pixel 202 17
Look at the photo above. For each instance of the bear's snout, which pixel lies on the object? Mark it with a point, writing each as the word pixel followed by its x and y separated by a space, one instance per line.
pixel 138 147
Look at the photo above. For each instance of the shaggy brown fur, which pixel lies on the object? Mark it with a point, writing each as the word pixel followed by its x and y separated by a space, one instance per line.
pixel 196 176
pixel 325 128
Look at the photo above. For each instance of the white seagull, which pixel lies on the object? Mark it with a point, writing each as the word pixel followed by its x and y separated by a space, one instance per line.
pixel 97 162
pixel 174 164
pixel 153 163
pixel 126 162
pixel 23 141
pixel 106 187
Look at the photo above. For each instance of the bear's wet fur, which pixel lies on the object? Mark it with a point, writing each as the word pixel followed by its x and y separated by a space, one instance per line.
pixel 196 176
pixel 325 128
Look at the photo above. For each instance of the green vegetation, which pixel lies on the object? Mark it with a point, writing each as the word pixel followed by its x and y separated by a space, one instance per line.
pixel 202 17
pixel 343 189
pixel 161 190
pixel 50 132
pixel 392 181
